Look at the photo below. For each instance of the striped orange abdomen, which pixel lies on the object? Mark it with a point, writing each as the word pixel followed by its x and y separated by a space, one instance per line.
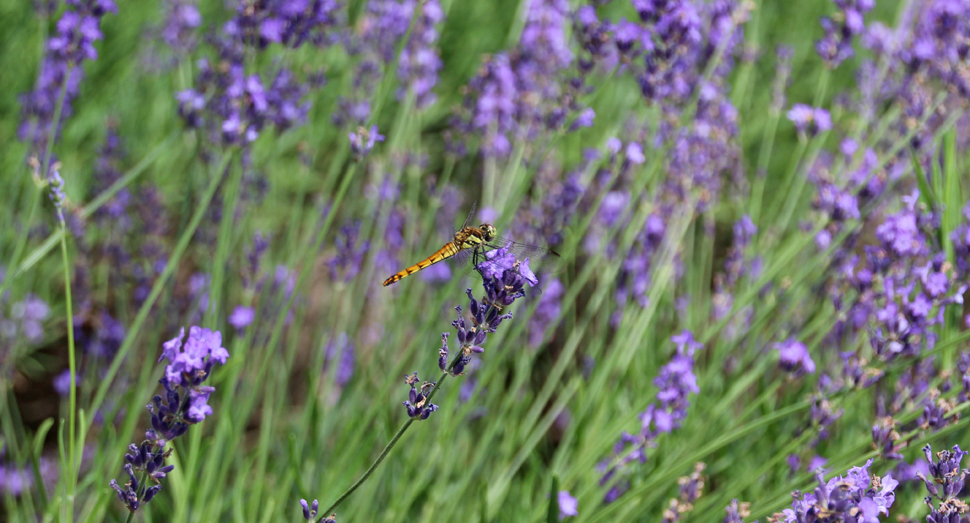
pixel 447 251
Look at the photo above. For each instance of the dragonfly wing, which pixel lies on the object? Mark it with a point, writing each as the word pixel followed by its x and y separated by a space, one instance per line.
pixel 462 259
pixel 470 219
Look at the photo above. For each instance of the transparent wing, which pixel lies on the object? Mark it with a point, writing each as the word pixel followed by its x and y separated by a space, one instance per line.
pixel 471 216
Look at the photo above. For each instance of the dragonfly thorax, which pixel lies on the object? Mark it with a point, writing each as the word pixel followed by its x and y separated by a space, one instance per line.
pixel 488 232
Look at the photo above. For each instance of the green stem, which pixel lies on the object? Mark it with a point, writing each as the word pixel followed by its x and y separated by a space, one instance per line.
pixel 397 436
pixel 384 453
pixel 72 367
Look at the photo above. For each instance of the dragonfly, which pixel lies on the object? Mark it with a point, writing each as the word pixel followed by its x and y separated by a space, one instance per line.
pixel 472 243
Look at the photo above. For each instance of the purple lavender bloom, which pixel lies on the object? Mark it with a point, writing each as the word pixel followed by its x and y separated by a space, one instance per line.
pixel 349 256
pixel 181 21
pixel 939 43
pixel 505 280
pixel 836 46
pixel 568 505
pixel 417 405
pixel 737 511
pixel 62 383
pixel 809 119
pixel 362 142
pixel 288 22
pixel 675 381
pixel 885 437
pixel 852 498
pixel 185 403
pixel 190 362
pixel 61 70
pixel 419 63
pixel 544 36
pixel 234 107
pixel 794 357
pixel 493 113
pixel 340 351
pixel 822 414
pixel 437 273
pixel 310 510
pixel 241 317
pixel 945 481
pixel 26 319
pixel 594 38
pixel 691 488
pixel 547 311
pixel 519 96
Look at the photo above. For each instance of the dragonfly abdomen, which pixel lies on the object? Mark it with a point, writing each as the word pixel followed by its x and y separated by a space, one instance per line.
pixel 447 251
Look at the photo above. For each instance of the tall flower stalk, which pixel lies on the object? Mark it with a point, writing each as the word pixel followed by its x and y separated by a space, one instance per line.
pixel 505 279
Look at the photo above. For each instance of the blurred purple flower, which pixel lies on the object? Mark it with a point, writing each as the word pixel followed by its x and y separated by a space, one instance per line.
pixel 419 63
pixel 736 511
pixel 348 258
pixel 794 357
pixel 547 310
pixel 61 71
pixel 691 488
pixel 233 107
pixel 362 142
pixel 340 351
pixel 844 499
pixel 543 37
pixel 26 319
pixel 836 46
pixel 102 339
pixel 568 505
pixel 809 119
pixel 288 22
pixel 182 19
pixel 241 317
pixel 527 93
pixel 62 383
pixel 675 382
pixel 437 273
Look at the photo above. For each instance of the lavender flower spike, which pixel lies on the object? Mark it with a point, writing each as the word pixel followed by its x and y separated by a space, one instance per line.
pixel 418 406
pixel 362 142
pixel 185 404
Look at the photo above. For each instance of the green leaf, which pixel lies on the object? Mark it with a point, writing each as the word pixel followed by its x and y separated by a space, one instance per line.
pixel 552 516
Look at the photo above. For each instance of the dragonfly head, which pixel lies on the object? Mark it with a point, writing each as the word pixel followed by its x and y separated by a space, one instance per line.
pixel 489 231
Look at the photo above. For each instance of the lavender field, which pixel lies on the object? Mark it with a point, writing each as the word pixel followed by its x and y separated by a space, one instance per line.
pixel 713 266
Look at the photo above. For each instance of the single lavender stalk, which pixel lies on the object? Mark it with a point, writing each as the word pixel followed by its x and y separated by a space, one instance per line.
pixel 57 195
pixel 505 279
pixel 190 364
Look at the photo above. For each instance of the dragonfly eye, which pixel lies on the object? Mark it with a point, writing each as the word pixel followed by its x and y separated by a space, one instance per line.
pixel 489 231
